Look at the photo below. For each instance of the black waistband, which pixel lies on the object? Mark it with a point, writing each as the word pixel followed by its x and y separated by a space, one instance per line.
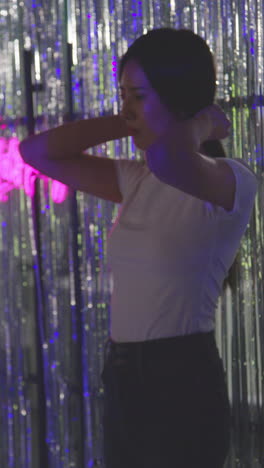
pixel 181 344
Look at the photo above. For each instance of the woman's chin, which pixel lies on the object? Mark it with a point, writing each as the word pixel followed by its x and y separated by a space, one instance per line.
pixel 138 143
pixel 141 145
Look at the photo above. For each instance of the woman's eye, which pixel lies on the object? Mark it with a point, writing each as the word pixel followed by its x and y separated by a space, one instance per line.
pixel 138 97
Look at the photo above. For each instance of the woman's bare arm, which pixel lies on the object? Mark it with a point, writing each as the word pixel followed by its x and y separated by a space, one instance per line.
pixel 58 153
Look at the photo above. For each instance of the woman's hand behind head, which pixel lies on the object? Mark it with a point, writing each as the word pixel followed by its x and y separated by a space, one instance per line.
pixel 212 123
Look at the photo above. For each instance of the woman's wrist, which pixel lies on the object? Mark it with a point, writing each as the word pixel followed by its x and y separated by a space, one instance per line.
pixel 211 123
pixel 116 127
pixel 201 128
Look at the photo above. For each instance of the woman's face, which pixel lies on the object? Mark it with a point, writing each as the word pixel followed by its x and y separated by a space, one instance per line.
pixel 146 116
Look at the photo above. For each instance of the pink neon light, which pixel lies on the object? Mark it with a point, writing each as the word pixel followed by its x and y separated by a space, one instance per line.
pixel 14 173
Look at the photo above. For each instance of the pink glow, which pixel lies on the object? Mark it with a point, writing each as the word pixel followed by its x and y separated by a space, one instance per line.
pixel 14 173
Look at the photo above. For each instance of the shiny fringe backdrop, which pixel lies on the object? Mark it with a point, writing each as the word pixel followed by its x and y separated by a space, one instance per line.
pixel 58 61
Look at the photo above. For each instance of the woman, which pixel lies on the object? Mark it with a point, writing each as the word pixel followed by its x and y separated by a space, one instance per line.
pixel 181 220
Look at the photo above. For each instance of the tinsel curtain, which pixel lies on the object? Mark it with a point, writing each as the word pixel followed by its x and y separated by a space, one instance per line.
pixel 54 282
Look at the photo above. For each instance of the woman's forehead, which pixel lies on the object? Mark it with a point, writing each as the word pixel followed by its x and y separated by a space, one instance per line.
pixel 133 76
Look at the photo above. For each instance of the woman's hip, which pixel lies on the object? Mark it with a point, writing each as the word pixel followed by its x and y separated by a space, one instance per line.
pixel 167 398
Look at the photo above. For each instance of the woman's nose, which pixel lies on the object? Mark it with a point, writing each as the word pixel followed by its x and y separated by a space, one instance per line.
pixel 126 110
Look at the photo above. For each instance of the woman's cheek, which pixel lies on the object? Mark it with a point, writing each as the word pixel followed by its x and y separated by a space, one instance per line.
pixel 158 123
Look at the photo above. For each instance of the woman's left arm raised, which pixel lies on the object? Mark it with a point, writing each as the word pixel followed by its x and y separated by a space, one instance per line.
pixel 176 158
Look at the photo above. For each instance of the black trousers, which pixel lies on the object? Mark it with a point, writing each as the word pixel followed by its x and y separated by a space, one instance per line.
pixel 166 404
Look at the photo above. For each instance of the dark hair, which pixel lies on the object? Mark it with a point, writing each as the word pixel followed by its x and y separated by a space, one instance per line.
pixel 179 65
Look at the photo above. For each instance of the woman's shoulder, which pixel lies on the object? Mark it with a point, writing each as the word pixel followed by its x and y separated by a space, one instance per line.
pixel 130 173
pixel 247 183
pixel 242 170
pixel 239 164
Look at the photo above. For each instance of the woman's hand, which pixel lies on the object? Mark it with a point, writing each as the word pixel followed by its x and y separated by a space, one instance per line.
pixel 211 123
pixel 183 139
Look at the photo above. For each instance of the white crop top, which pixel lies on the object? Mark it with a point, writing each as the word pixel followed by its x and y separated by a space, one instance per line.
pixel 169 254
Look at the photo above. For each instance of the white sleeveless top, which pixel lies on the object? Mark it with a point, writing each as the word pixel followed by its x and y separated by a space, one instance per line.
pixel 170 252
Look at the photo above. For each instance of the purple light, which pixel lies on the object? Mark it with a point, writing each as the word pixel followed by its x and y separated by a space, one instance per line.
pixel 15 174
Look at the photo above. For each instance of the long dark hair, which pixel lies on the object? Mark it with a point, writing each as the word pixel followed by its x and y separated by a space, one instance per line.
pixel 180 67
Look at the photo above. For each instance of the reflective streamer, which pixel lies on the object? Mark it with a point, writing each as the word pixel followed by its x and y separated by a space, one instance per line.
pixel 54 328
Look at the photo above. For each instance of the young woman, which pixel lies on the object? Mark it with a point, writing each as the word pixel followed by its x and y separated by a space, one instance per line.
pixel 183 212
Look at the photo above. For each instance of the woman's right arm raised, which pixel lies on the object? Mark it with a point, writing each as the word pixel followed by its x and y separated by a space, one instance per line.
pixel 58 153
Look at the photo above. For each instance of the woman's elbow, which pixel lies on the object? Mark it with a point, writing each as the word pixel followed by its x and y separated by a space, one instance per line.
pixel 31 150
pixel 25 150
